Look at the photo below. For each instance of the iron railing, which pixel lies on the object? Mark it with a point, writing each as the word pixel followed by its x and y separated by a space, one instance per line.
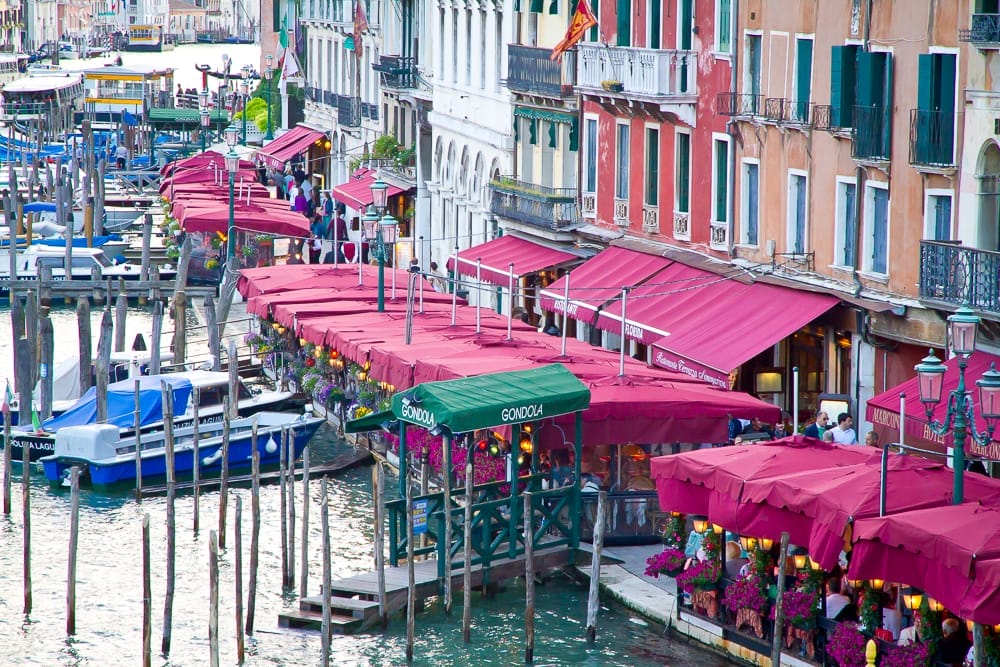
pixel 872 137
pixel 397 72
pixel 738 104
pixel 348 111
pixel 960 275
pixel 932 138
pixel 529 203
pixel 531 70
pixel 984 29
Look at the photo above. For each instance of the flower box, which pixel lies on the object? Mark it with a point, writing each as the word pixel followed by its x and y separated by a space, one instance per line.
pixel 612 86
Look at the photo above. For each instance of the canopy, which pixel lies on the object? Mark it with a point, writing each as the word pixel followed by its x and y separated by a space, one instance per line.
pixel 270 279
pixel 277 220
pixel 486 401
pixel 710 481
pixel 952 553
pixel 883 410
pixel 40 207
pixel 357 192
pixel 508 258
pixel 816 506
pixel 121 403
pixel 297 140
pixel 599 280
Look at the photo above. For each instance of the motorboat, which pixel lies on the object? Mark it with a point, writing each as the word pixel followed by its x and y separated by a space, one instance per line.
pixel 108 459
pixel 211 387
pixel 30 262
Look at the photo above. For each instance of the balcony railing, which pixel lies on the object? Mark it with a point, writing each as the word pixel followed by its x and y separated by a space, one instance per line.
pixel 531 70
pixel 871 136
pixel 532 204
pixel 985 29
pixel 960 275
pixel 738 104
pixel 348 111
pixel 653 74
pixel 932 138
pixel 397 72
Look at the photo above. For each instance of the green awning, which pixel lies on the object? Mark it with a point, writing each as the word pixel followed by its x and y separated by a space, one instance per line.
pixel 370 422
pixel 185 116
pixel 545 114
pixel 484 401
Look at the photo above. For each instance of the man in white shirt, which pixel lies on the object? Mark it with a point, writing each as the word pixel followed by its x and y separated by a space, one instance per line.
pixel 835 600
pixel 843 434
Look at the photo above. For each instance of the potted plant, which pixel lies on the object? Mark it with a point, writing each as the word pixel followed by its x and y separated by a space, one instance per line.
pixel 703 575
pixel 847 646
pixel 909 655
pixel 612 85
pixel 670 562
pixel 746 600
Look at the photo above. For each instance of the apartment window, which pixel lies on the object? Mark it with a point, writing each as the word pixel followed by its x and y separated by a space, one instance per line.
pixel 440 51
pixel 482 57
pixel 937 217
pixel 621 161
pixel 682 172
pixel 469 46
pixel 751 65
pixel 590 155
pixel 751 202
pixel 803 78
pixel 723 26
pixel 877 228
pixel 454 47
pixel 873 110
pixel 934 118
pixel 797 212
pixel 651 188
pixel 720 180
pixel 846 230
pixel 624 23
pixel 843 84
pixel 653 25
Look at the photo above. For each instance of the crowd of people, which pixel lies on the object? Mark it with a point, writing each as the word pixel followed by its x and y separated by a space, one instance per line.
pixel 843 433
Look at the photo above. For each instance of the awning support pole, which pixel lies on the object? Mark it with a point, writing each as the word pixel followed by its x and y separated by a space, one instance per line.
pixel 902 422
pixel 454 285
pixel 624 341
pixel 510 308
pixel 512 474
pixel 795 399
pixel 565 322
pixel 883 481
pixel 403 455
pixel 479 291
pixel 357 256
pixel 574 537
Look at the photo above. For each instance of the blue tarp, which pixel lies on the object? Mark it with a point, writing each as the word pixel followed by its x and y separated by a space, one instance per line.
pixel 121 403
pixel 40 207
pixel 79 241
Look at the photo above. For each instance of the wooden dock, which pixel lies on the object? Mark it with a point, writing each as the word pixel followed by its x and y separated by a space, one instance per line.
pixel 354 603
pixel 133 289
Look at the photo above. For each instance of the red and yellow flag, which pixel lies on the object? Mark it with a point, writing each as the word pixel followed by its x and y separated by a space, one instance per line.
pixel 583 20
pixel 360 26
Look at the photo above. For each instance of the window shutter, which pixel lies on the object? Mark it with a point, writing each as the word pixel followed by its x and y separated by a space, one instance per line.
pixel 753 197
pixel 532 131
pixel 721 181
pixel 886 105
pixel 803 74
pixel 554 7
pixel 925 83
pixel 574 135
pixel 537 6
pixel 552 134
pixel 624 23
pixel 594 34
pixel 654 25
pixel 683 172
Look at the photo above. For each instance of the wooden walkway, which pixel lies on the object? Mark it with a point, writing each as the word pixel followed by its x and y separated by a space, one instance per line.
pixel 354 600
pixel 133 289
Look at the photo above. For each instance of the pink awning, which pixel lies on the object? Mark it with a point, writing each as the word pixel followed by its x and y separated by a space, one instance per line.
pixel 951 553
pixel 758 316
pixel 883 410
pixel 357 192
pixel 297 140
pixel 269 279
pixel 257 217
pixel 508 258
pixel 599 280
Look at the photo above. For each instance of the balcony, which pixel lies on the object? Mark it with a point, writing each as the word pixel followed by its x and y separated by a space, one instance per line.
pixel 959 275
pixel 348 111
pixel 369 111
pixel 650 219
pixel 530 70
pixel 932 138
pixel 398 72
pixel 871 137
pixel 984 31
pixel 665 77
pixel 738 104
pixel 621 212
pixel 532 204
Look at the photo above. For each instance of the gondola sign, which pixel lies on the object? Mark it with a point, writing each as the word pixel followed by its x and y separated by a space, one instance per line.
pixel 419 512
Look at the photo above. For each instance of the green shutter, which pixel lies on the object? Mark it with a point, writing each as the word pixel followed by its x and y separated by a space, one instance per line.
pixel 685 28
pixel 721 181
pixel 574 135
pixel 803 71
pixel 866 70
pixel 536 6
pixel 624 26
pixel 554 7
pixel 594 35
pixel 532 131
pixel 946 82
pixel 725 44
pixel 652 166
pixel 886 105
pixel 683 172
pixel 843 80
pixel 517 129
pixel 552 134
pixel 925 81
pixel 654 25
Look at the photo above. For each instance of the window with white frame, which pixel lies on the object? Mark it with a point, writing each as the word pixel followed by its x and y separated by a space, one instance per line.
pixel 845 237
pixel 937 215
pixel 621 161
pixel 797 211
pixel 651 186
pixel 720 178
pixel 590 155
pixel 750 196
pixel 723 26
pixel 682 172
pixel 877 228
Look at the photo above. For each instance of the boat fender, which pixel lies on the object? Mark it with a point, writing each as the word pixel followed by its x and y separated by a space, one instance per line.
pixel 213 459
pixel 271 447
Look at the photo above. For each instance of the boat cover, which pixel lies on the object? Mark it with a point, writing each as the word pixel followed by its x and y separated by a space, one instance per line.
pixel 121 403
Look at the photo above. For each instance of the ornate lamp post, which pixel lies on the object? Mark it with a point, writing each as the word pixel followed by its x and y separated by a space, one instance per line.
pixel 232 166
pixel 268 73
pixel 961 417
pixel 206 118
pixel 381 232
pixel 245 94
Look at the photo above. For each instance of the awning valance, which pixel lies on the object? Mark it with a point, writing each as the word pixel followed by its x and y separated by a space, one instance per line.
pixel 508 257
pixel 284 148
pixel 357 192
pixel 544 114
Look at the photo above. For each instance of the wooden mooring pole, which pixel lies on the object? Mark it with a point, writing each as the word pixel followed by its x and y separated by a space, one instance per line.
pixel 137 427
pixel 196 459
pixel 467 554
pixel 168 441
pixel 147 596
pixel 254 531
pixel 7 456
pixel 379 493
pixel 779 607
pixel 283 491
pixel 156 338
pixel 411 586
pixel 224 480
pixel 23 359
pixel 103 366
pixel 593 602
pixel 74 534
pixel 213 600
pixel 289 439
pixel 238 571
pixel 529 579
pixel 86 342
pixel 121 313
pixel 446 509
pixel 327 574
pixel 304 573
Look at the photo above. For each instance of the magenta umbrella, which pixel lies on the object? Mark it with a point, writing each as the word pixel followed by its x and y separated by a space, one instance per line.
pixel 952 553
pixel 710 481
pixel 816 507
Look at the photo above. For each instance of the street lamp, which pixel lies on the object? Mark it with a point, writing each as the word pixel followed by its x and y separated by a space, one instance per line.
pixel 268 72
pixel 961 416
pixel 382 233
pixel 206 123
pixel 245 94
pixel 232 165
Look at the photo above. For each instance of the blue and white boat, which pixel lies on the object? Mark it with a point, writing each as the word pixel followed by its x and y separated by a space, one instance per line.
pixel 108 459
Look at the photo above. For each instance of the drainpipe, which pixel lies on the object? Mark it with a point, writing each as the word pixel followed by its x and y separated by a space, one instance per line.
pixel 735 13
